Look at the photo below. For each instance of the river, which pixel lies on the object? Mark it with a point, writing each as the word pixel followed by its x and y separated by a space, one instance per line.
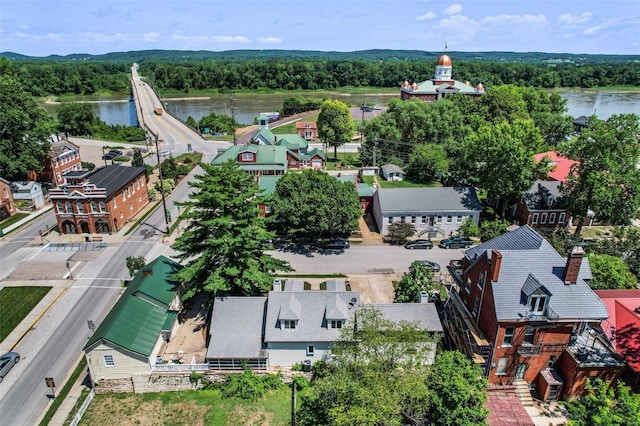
pixel 247 106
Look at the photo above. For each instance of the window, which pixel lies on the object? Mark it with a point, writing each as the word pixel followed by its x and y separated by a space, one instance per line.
pixel 4 191
pixel 481 280
pixel 459 219
pixel 130 206
pixel 289 324
pixel 267 209
pixel 438 219
pixel 552 218
pixel 59 207
pixel 509 332
pixel 310 350
pixel 449 219
pixel 502 366
pixel 561 219
pixel 402 219
pixel 80 208
pixel 538 303
pixel 103 206
pixel 124 196
pixel 115 204
pixel 108 361
pixel 467 285
pixel 413 219
pixel 94 207
pixel 529 335
pixel 543 218
pixel 121 215
pixel 552 361
pixel 246 156
pixel 534 220
pixel 476 302
pixel 335 323
pixel 424 219
pixel 67 207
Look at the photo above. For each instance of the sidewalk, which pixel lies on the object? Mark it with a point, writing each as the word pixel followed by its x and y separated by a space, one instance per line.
pixel 65 409
pixel 27 219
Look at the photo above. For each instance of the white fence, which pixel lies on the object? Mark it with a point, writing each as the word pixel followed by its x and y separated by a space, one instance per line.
pixel 83 408
pixel 179 367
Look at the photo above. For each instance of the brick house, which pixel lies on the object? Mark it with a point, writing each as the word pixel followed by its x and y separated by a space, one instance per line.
pixel 64 157
pixel 7 205
pixel 532 316
pixel 307 130
pixel 99 202
pixel 542 206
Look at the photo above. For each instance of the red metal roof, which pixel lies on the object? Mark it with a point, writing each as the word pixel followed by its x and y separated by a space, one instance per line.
pixel 625 319
pixel 561 163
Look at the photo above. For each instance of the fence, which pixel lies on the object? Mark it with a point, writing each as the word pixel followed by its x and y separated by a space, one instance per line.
pixel 179 367
pixel 83 408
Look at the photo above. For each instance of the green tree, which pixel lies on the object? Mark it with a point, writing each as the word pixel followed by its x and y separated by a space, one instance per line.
pixel 418 279
pixel 490 229
pixel 75 118
pixel 503 104
pixel 605 178
pixel 605 405
pixel 137 160
pixel 169 168
pixel 625 244
pixel 25 129
pixel 134 264
pixel 317 203
pixel 469 228
pixel 335 126
pixel 223 243
pixel 427 163
pixel 399 232
pixel 610 272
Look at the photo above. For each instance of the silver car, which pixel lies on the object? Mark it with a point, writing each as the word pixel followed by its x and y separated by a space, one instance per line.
pixel 7 361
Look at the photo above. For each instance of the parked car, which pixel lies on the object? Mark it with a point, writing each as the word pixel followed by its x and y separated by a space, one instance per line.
pixel 455 242
pixel 339 244
pixel 435 267
pixel 7 361
pixel 108 156
pixel 116 152
pixel 418 244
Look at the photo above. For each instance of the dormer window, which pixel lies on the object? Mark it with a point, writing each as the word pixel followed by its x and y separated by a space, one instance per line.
pixel 288 324
pixel 246 156
pixel 538 303
pixel 336 323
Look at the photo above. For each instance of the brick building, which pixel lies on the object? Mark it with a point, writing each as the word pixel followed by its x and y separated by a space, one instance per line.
pixel 7 205
pixel 63 157
pixel 99 202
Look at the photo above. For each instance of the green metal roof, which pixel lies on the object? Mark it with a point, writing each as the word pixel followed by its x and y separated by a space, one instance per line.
pixel 268 183
pixel 141 313
pixel 265 155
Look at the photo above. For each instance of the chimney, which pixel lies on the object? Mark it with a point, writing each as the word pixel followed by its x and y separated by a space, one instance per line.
pixel 147 271
pixel 277 285
pixel 275 140
pixel 424 297
pixel 574 260
pixel 496 260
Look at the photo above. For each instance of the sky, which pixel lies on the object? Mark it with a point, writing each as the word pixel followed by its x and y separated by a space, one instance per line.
pixel 61 27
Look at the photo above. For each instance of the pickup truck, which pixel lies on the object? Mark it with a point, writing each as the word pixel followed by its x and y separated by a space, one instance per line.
pixel 455 242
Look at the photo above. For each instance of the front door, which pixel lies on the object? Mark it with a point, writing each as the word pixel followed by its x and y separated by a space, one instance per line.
pixel 521 370
pixel 431 221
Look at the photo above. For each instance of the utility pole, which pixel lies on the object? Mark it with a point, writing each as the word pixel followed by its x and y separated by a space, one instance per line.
pixel 375 145
pixel 233 122
pixel 164 202
pixel 364 97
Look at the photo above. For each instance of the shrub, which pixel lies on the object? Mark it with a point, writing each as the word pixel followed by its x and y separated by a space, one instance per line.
pixel 300 382
pixel 296 367
pixel 153 194
pixel 398 232
pixel 244 386
pixel 121 159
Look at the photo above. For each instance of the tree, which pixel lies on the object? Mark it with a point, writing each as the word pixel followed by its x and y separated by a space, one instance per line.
pixel 490 229
pixel 605 405
pixel 503 104
pixel 610 272
pixel 137 160
pixel 134 264
pixel 427 163
pixel 605 178
pixel 335 126
pixel 223 242
pixel 317 203
pixel 25 129
pixel 75 118
pixel 169 168
pixel 418 279
pixel 625 244
pixel 469 228
pixel 399 232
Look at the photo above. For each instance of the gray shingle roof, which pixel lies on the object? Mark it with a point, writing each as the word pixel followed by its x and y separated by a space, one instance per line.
pixel 237 327
pixel 312 325
pixel 526 254
pixel 425 314
pixel 418 200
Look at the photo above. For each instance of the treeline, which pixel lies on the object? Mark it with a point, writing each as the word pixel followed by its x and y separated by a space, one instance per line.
pixel 57 78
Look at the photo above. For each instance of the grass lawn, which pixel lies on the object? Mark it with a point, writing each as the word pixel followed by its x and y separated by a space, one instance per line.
pixel 196 407
pixel 13 219
pixel 285 129
pixel 405 184
pixel 195 157
pixel 15 304
pixel 344 159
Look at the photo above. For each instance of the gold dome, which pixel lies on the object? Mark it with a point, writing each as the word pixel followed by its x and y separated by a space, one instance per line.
pixel 444 60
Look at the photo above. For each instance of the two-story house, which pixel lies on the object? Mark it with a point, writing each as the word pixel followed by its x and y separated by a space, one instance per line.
pixel 298 154
pixel 535 314
pixel 257 160
pixel 307 130
pixel 7 205
pixel 99 202
pixel 543 206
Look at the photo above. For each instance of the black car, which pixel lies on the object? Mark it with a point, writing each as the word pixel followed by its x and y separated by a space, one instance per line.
pixel 435 267
pixel 115 152
pixel 418 244
pixel 109 156
pixel 336 244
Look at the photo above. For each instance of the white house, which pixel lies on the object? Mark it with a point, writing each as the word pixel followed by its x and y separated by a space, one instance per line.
pixel 392 172
pixel 28 191
pixel 435 212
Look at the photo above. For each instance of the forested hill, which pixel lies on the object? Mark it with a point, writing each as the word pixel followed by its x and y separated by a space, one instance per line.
pixel 362 55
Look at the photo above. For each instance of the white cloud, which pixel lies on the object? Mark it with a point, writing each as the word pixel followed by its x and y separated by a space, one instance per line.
pixel 426 17
pixel 214 39
pixel 514 19
pixel 570 20
pixel 455 8
pixel 269 40
pixel 607 24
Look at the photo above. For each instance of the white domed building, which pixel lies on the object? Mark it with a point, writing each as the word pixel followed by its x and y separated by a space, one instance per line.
pixel 440 85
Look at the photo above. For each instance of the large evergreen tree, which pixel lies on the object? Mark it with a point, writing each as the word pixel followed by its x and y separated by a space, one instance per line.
pixel 223 243
pixel 25 128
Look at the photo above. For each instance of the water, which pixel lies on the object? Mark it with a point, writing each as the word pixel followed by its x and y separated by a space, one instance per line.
pixel 247 107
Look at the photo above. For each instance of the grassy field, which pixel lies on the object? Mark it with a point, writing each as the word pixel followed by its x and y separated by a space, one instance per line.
pixel 405 184
pixel 201 407
pixel 15 304
pixel 13 219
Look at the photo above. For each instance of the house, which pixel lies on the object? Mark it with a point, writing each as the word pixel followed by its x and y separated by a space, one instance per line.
pixel 441 85
pixel 134 333
pixel 527 313
pixel 28 191
pixel 433 211
pixel 560 165
pixel 623 329
pixel 392 172
pixel 581 123
pixel 294 325
pixel 365 193
pixel 99 202
pixel 298 154
pixel 7 205
pixel 64 157
pixel 257 160
pixel 542 206
pixel 307 130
